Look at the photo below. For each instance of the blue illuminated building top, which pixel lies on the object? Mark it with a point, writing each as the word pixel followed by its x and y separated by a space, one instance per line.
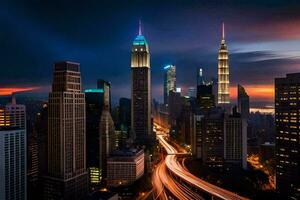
pixel 140 40
pixel 167 67
pixel 94 90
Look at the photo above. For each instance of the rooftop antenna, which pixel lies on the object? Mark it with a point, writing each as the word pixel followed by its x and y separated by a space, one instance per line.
pixel 140 27
pixel 223 31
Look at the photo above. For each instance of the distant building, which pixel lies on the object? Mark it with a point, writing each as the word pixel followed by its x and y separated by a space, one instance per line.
pixel 67 175
pixel 41 128
pixel 220 139
pixel 200 78
pixel 205 97
pixel 287 143
pixel 174 108
pixel 17 114
pixel 197 141
pixel 32 166
pixel 104 86
pixel 141 126
pixel 184 122
pixel 213 139
pixel 235 140
pixel 13 152
pixel 125 114
pixel 192 92
pixel 243 102
pixel 124 167
pixel 169 81
pixel 267 151
pixel 223 73
pixel 107 140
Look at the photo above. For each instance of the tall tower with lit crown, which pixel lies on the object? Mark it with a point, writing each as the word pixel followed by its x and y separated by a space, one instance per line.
pixel 140 89
pixel 223 72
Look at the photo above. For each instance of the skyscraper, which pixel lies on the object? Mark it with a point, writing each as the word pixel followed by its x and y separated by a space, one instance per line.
pixel 107 140
pixel 223 73
pixel 169 81
pixel 205 97
pixel 13 163
pixel 94 99
pixel 235 140
pixel 67 176
pixel 140 90
pixel 105 87
pixel 13 152
pixel 287 112
pixel 213 128
pixel 192 92
pixel 200 78
pixel 41 128
pixel 243 102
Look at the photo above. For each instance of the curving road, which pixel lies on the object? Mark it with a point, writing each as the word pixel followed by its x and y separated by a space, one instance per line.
pixel 175 168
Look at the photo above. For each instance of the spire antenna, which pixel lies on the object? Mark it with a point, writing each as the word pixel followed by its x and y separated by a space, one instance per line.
pixel 140 27
pixel 223 30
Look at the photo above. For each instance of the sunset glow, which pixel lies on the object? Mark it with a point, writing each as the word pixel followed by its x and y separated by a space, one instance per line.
pixel 256 92
pixel 9 91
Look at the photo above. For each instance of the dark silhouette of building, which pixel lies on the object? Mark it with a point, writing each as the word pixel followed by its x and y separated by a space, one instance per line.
pixel 107 140
pixel 105 86
pixel 67 175
pixel 141 126
pixel 235 140
pixel 287 144
pixel 174 109
pixel 94 99
pixel 243 102
pixel 41 129
pixel 169 81
pixel 125 114
pixel 213 139
pixel 205 97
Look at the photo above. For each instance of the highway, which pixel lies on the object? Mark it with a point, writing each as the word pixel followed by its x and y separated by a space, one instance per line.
pixel 170 167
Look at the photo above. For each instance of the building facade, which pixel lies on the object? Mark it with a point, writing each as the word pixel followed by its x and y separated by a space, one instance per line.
pixel 125 114
pixel 205 97
pixel 13 151
pixel 125 166
pixel 141 126
pixel 287 144
pixel 169 81
pixel 67 175
pixel 223 73
pixel 13 163
pixel 95 103
pixel 235 140
pixel 107 140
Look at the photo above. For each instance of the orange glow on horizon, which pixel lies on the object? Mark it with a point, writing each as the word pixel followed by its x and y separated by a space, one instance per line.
pixel 9 91
pixel 257 92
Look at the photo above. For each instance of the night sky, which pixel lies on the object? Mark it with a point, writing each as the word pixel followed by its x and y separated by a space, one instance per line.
pixel 263 38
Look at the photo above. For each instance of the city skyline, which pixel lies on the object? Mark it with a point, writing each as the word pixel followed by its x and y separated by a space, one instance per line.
pixel 149 100
pixel 271 46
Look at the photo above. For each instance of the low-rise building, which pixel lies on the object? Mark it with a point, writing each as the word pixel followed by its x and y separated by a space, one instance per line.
pixel 125 166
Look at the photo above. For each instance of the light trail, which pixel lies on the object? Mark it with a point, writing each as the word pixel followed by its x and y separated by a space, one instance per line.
pixel 179 170
pixel 161 179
